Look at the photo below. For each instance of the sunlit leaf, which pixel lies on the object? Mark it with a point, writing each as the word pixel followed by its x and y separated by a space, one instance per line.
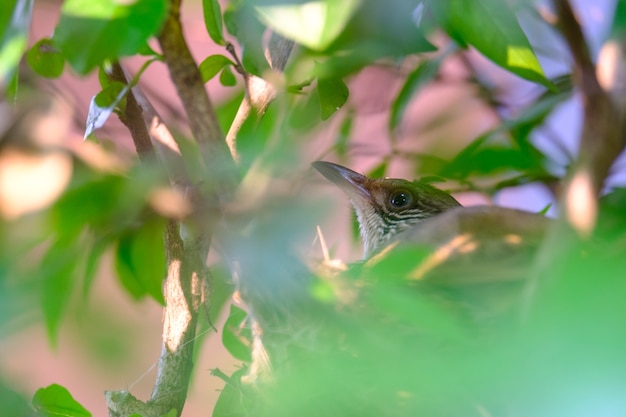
pixel 91 31
pixel 14 23
pixel 492 28
pixel 56 401
pixel 314 24
pixel 213 20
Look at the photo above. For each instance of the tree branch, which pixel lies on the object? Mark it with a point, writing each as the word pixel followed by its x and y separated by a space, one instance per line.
pixel 198 107
pixel 602 138
pixel 259 92
pixel 185 274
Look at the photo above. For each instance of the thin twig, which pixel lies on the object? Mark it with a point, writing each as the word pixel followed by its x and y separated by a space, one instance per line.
pixel 259 92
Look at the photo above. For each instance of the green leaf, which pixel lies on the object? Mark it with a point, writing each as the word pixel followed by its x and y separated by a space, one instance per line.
pixel 241 22
pixel 237 338
pixel 93 261
pixel 45 59
pixel 231 402
pixel 140 261
pixel 333 94
pixel 58 272
pixel 91 31
pixel 341 141
pixel 227 78
pixel 618 28
pixel 212 65
pixel 213 20
pixel 314 24
pixel 492 28
pixel 15 17
pixel 379 170
pixel 56 401
pixel 424 73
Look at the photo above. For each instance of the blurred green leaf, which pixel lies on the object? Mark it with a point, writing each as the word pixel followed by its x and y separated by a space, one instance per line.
pixel 333 94
pixel 492 28
pixel 236 337
pixel 418 78
pixel 618 28
pixel 241 22
pixel 212 65
pixel 140 260
pixel 58 269
pixel 213 20
pixel 227 78
pixel 55 401
pixel 96 251
pixel 91 200
pixel 231 402
pixel 343 136
pixel 15 17
pixel 91 31
pixel 14 404
pixel 314 24
pixel 379 170
pixel 45 59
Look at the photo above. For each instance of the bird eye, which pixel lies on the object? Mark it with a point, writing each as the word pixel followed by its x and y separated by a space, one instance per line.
pixel 400 199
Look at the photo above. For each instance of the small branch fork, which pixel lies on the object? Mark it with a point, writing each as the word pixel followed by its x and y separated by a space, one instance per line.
pixel 187 273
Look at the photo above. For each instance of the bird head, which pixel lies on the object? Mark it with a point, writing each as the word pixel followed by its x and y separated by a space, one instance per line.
pixel 386 206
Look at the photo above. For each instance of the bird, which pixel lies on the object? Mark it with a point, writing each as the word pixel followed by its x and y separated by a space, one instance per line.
pixel 470 252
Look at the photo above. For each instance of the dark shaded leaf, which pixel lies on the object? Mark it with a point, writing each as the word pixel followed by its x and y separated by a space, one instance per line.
pixel 618 28
pixel 236 336
pixel 55 401
pixel 333 94
pixel 140 261
pixel 230 403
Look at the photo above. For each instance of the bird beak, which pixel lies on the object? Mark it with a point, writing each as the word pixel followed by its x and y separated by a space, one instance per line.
pixel 352 183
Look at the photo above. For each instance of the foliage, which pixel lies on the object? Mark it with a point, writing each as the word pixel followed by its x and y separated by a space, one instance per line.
pixel 359 342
